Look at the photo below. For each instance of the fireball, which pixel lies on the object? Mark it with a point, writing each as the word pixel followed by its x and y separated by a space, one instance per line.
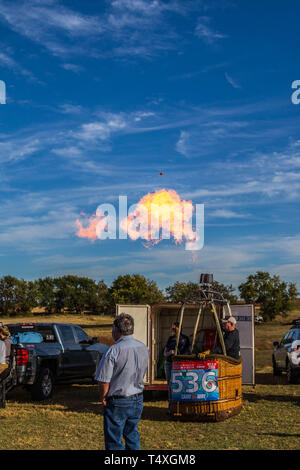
pixel 157 216
pixel 160 215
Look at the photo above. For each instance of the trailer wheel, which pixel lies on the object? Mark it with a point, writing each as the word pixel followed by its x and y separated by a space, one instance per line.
pixel 43 387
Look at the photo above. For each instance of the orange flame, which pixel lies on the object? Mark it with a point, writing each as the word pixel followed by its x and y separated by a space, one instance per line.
pixel 90 231
pixel 156 216
pixel 160 215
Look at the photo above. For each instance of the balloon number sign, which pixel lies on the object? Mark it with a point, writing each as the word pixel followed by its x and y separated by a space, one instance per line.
pixel 194 381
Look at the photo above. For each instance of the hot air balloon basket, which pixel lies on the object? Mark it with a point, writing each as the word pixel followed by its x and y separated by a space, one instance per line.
pixel 210 387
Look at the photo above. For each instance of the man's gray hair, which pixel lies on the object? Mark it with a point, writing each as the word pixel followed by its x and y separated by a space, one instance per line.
pixel 125 324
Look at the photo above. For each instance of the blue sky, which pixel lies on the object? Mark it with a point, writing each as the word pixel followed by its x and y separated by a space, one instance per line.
pixel 104 95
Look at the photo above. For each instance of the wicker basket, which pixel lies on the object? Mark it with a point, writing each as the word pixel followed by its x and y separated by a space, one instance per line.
pixel 230 392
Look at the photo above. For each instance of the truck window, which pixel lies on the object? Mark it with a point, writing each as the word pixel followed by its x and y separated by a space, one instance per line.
pixel 66 333
pixel 46 331
pixel 81 335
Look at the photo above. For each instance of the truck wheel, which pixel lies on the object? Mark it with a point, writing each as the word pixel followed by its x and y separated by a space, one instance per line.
pixel 276 372
pixel 290 374
pixel 43 387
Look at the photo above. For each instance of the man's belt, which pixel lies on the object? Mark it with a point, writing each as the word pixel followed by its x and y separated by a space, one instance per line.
pixel 123 396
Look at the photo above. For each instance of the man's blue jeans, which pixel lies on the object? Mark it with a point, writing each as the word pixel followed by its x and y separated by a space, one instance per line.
pixel 121 417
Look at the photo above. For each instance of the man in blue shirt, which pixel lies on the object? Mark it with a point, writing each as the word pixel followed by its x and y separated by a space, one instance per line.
pixel 120 375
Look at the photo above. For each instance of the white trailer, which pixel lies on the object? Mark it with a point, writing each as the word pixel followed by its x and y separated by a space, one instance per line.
pixel 153 327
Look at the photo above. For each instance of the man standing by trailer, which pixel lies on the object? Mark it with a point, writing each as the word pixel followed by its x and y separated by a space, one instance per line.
pixel 120 375
pixel 231 339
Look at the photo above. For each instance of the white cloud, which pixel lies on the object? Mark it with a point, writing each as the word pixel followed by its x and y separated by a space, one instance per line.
pixel 289 245
pixel 34 19
pixel 47 218
pixel 140 115
pixel 137 27
pixel 100 130
pixel 225 262
pixel 68 151
pixel 68 108
pixel 273 175
pixel 287 272
pixel 205 32
pixel 46 22
pixel 232 81
pixel 182 143
pixel 73 140
pixel 19 149
pixel 6 60
pixel 73 67
pixel 226 214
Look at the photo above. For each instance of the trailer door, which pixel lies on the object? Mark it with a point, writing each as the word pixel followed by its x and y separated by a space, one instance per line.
pixel 141 316
pixel 244 315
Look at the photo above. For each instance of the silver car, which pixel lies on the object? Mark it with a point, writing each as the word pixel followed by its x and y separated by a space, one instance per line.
pixel 286 354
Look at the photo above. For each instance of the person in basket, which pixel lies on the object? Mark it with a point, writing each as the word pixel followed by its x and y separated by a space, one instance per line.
pixel 169 351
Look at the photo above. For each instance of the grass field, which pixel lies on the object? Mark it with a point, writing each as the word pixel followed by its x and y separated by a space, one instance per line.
pixel 73 418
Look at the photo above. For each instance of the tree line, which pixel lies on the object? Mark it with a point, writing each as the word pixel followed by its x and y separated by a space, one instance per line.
pixel 78 295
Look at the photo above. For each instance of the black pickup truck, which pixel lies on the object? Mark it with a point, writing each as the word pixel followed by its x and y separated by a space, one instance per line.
pixel 64 353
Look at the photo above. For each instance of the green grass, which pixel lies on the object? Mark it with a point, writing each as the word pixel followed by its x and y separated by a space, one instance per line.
pixel 73 418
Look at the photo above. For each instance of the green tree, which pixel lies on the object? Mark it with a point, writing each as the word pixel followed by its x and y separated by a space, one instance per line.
pixel 46 294
pixel 191 290
pixel 226 291
pixel 70 294
pixel 274 296
pixel 8 295
pixel 180 291
pixel 26 296
pixel 17 296
pixel 134 289
pixel 98 302
pixel 81 294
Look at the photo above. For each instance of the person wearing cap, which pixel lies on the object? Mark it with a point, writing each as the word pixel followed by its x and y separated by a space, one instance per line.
pixel 231 339
pixel 5 347
pixel 120 375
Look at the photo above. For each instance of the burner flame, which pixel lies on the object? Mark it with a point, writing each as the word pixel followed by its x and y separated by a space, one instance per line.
pixel 157 216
